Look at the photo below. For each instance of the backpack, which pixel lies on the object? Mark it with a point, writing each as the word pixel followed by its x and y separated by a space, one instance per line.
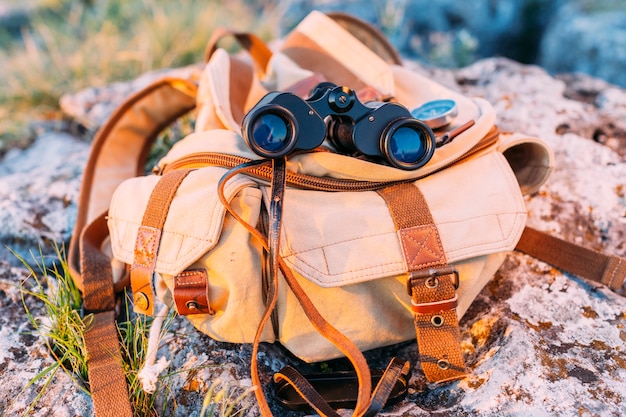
pixel 327 253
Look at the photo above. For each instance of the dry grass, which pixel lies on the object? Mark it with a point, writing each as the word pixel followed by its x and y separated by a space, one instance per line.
pixel 71 45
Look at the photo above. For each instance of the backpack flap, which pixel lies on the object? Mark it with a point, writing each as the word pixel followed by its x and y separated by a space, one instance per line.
pixel 347 254
pixel 197 235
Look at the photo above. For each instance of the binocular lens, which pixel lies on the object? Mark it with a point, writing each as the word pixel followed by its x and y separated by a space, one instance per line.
pixel 409 146
pixel 272 133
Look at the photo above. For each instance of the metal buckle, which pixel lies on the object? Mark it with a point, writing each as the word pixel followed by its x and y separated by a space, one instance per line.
pixel 432 273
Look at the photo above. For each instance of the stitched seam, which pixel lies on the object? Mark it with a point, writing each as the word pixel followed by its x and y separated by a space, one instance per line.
pixel 295 265
pixel 412 263
pixel 188 283
pixel 614 273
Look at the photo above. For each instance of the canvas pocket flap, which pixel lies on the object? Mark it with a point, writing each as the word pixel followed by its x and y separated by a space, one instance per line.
pixel 194 222
pixel 336 239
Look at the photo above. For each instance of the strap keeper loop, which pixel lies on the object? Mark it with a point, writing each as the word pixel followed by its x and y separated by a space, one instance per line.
pixel 435 307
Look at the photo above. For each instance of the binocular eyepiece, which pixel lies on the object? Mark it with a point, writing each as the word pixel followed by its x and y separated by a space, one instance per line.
pixel 283 122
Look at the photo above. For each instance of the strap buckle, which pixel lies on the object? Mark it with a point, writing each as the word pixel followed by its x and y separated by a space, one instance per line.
pixel 430 275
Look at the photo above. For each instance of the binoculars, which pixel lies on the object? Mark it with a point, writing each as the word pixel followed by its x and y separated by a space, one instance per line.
pixel 282 122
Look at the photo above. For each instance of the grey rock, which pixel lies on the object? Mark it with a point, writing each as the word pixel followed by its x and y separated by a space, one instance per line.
pixel 538 342
pixel 592 42
pixel 39 188
pixel 448 32
pixel 563 36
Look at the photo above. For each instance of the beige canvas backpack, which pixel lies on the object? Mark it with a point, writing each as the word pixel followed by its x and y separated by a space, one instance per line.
pixel 325 253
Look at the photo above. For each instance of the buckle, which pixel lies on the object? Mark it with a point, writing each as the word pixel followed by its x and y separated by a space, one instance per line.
pixel 431 275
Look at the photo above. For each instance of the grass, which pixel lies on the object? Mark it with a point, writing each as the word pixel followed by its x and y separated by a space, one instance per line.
pixel 226 401
pixel 62 328
pixel 74 44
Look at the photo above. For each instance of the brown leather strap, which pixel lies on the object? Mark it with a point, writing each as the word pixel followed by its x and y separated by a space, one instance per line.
pixel 349 349
pixel 106 377
pixel 191 292
pixel 256 47
pixel 397 368
pixel 609 270
pixel 305 390
pixel 149 239
pixel 120 148
pixel 431 283
pixel 369 35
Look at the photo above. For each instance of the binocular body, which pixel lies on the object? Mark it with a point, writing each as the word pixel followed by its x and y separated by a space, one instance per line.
pixel 282 122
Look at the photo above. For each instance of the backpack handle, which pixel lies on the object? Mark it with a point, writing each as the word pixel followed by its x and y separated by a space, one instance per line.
pixel 256 47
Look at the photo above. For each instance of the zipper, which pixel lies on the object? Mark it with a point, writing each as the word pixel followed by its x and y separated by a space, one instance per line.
pixel 299 180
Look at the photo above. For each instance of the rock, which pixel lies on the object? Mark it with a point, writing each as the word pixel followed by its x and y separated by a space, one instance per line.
pixel 39 188
pixel 91 107
pixel 449 33
pixel 538 342
pixel 561 36
pixel 16 15
pixel 586 38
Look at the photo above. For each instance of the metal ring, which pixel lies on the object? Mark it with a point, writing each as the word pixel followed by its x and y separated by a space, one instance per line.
pixel 443 364
pixel 437 320
pixel 432 282
pixel 192 305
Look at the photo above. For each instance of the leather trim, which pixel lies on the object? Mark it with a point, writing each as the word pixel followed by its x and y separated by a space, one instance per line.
pixel 191 292
pixel 146 247
pixel 422 247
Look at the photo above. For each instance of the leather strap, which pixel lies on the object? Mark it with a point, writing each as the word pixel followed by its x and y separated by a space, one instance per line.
pixel 106 378
pixel 306 391
pixel 609 270
pixel 349 349
pixel 191 292
pixel 149 239
pixel 256 47
pixel 396 369
pixel 118 152
pixel 431 283
pixel 120 147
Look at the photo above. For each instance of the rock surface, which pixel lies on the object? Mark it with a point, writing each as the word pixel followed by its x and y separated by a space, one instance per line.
pixel 539 343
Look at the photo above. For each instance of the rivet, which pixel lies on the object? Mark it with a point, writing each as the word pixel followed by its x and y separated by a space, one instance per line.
pixel 432 282
pixel 192 305
pixel 437 321
pixel 443 364
pixel 141 301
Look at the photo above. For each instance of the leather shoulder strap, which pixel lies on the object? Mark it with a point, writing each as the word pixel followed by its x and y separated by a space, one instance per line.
pixel 118 152
pixel 609 270
pixel 121 146
pixel 256 47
